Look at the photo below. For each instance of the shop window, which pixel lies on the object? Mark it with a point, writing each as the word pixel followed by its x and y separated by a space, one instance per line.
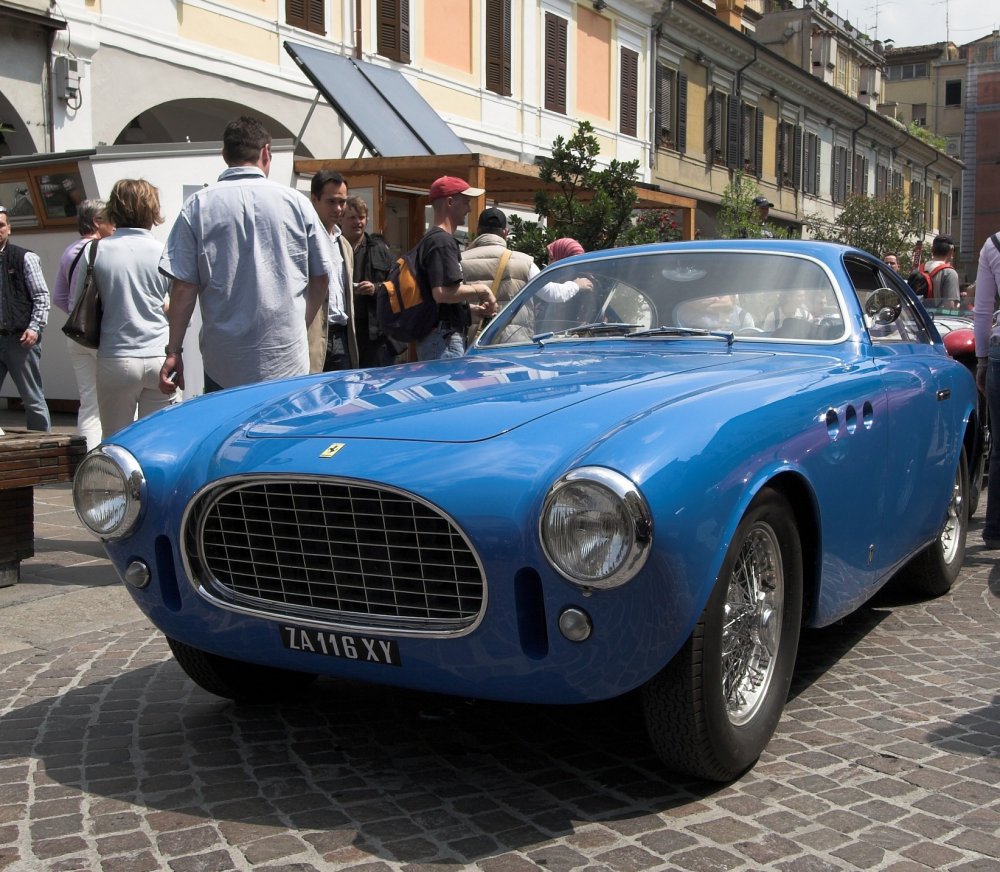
pixel 42 197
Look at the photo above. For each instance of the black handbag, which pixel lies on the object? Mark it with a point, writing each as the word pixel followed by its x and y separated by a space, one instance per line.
pixel 84 323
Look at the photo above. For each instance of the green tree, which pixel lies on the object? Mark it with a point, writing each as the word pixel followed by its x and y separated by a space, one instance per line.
pixel 880 225
pixel 738 216
pixel 594 206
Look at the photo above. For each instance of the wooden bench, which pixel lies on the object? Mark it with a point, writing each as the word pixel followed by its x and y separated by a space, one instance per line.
pixel 28 458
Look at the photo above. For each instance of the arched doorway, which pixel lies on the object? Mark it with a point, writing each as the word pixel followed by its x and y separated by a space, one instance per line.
pixel 193 121
pixel 14 135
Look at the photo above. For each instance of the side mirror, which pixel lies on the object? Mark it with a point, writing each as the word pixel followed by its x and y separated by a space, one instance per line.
pixel 884 306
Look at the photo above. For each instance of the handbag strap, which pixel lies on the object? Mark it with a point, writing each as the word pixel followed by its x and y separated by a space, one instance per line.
pixel 91 255
pixel 501 267
pixel 76 260
pixel 996 241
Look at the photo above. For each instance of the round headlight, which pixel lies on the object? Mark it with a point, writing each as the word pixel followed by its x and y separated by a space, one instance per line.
pixel 108 490
pixel 596 527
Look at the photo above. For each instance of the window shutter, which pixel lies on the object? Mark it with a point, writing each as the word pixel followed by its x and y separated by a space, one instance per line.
pixel 818 164
pixel 629 91
pixel 295 13
pixel 797 160
pixel 555 63
pixel 393 29
pixel 758 152
pixel 315 17
pixel 307 14
pixel 661 122
pixel 715 123
pixel 498 47
pixel 781 146
pixel 682 108
pixel 404 31
pixel 733 134
pixel 746 137
pixel 835 173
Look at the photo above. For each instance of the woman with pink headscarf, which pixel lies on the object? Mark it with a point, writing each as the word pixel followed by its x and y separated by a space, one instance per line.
pixel 560 292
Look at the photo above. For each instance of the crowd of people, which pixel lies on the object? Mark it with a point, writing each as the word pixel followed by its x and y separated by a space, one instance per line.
pixel 287 284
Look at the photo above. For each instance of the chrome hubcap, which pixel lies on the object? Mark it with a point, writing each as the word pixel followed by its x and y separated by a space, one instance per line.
pixel 751 630
pixel 951 534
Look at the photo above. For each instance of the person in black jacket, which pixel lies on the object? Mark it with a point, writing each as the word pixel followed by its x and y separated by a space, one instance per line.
pixel 24 312
pixel 372 262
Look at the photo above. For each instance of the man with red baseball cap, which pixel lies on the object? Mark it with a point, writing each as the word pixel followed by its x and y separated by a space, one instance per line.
pixel 449 186
pixel 439 271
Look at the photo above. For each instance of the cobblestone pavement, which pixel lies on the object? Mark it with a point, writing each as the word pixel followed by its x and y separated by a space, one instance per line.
pixel 110 759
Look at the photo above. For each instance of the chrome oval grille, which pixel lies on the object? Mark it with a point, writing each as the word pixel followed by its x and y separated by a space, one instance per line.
pixel 336 551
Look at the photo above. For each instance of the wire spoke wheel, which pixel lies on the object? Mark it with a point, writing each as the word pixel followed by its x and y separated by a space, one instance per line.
pixel 713 708
pixel 752 623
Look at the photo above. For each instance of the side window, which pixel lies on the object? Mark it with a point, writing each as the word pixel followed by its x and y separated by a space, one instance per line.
pixel 877 291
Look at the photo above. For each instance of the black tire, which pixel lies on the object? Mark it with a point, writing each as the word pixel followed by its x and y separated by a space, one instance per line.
pixel 699 720
pixel 236 680
pixel 934 570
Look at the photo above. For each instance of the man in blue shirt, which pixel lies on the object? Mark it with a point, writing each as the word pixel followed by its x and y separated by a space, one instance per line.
pixel 252 253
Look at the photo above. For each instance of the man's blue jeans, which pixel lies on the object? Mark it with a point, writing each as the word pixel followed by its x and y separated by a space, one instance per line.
pixel 25 368
pixel 441 345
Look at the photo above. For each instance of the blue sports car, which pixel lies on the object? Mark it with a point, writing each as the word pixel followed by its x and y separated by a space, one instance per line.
pixel 647 481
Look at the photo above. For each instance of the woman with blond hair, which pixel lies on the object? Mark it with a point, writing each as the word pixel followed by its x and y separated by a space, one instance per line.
pixel 133 293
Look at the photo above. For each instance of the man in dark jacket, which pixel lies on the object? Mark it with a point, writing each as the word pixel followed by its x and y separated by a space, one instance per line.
pixel 372 262
pixel 24 311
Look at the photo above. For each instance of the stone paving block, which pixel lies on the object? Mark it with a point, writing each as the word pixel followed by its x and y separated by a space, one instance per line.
pixel 144 861
pixel 213 861
pixel 768 849
pixel 122 843
pixel 630 858
pixel 273 848
pixel 706 859
pixel 860 855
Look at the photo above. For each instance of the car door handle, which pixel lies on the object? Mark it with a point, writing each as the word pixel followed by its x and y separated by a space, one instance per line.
pixel 944 394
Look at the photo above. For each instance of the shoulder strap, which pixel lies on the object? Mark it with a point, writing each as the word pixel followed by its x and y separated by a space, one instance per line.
pixel 92 255
pixel 501 268
pixel 996 241
pixel 76 260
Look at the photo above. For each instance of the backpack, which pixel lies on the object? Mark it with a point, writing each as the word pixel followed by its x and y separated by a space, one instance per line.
pixel 405 313
pixel 922 281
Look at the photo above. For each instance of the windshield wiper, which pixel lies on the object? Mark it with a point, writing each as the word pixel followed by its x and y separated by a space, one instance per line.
pixel 593 329
pixel 728 335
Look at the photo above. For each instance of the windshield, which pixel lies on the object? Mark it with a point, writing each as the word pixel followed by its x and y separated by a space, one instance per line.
pixel 754 295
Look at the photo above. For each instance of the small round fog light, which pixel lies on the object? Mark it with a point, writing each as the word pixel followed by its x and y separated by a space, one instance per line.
pixel 137 574
pixel 575 625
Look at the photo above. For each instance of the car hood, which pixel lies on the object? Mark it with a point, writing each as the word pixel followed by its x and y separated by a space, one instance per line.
pixel 431 402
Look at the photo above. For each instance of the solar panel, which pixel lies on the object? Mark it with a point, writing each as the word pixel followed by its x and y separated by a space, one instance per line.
pixel 366 97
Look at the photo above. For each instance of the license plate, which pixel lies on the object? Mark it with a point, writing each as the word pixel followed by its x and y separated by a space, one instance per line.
pixel 343 645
